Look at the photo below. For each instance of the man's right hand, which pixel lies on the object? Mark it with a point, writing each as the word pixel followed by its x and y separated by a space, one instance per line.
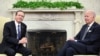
pixel 23 41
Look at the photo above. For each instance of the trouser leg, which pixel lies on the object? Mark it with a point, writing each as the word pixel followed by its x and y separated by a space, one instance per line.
pixel 80 48
pixel 62 52
pixel 70 51
pixel 24 51
pixel 10 52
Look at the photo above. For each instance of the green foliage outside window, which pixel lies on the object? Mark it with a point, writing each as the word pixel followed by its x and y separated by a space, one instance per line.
pixel 37 4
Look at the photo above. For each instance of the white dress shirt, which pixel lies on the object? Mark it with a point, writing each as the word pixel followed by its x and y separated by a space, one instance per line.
pixel 16 24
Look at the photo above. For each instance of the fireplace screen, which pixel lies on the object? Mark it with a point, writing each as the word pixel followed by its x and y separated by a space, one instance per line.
pixel 46 42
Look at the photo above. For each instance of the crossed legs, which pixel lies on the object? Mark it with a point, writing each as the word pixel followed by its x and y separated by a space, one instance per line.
pixel 71 47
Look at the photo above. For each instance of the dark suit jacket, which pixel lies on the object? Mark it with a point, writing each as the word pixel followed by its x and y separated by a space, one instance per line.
pixel 92 38
pixel 10 34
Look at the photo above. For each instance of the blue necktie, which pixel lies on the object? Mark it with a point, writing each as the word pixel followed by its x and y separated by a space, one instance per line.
pixel 19 32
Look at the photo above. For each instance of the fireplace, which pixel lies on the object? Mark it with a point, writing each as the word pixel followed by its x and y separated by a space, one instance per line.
pixel 46 42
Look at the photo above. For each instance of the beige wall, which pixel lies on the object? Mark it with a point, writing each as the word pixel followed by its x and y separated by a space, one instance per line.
pixel 4 6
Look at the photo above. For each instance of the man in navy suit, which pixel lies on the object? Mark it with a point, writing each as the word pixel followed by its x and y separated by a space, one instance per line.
pixel 87 41
pixel 14 36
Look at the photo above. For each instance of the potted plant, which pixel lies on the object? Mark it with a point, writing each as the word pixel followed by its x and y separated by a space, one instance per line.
pixel 37 4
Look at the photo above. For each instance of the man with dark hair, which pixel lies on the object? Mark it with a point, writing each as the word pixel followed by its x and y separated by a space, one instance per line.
pixel 14 36
pixel 87 41
pixel 19 11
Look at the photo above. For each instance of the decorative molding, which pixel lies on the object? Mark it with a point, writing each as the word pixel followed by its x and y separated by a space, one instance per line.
pixel 46 10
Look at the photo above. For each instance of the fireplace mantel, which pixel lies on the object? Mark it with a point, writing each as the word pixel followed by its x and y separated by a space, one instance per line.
pixel 47 10
pixel 53 19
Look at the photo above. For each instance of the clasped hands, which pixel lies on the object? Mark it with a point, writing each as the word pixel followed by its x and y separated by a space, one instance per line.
pixel 23 40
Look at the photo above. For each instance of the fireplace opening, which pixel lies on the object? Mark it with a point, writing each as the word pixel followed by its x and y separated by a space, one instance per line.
pixel 46 42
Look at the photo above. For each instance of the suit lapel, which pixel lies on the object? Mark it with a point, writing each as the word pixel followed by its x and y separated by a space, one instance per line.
pixel 90 30
pixel 22 29
pixel 14 28
pixel 92 27
pixel 83 30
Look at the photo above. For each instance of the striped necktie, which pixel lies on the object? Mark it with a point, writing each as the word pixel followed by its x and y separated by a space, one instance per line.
pixel 19 32
pixel 85 32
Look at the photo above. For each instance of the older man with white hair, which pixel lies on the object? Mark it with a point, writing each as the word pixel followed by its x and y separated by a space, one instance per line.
pixel 87 41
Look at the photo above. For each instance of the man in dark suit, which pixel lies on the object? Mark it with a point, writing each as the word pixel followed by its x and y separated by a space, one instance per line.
pixel 87 41
pixel 14 36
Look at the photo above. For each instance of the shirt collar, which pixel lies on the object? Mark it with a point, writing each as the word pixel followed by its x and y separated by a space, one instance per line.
pixel 91 24
pixel 16 23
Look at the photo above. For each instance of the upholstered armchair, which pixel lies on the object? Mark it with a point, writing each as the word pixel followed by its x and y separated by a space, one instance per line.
pixel 2 22
pixel 97 19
